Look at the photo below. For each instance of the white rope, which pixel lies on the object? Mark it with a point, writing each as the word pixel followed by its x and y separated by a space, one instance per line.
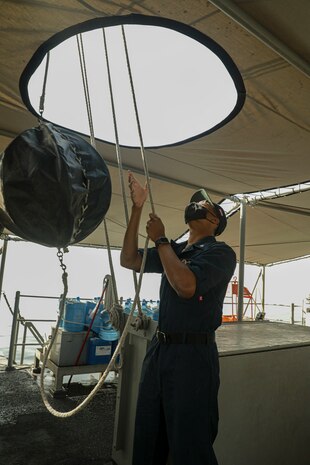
pixel 116 314
pixel 117 145
pixel 86 401
pixel 111 306
pixel 136 302
pixel 45 399
pixel 119 157
pixel 93 143
pixel 110 261
pixel 146 171
pixel 79 40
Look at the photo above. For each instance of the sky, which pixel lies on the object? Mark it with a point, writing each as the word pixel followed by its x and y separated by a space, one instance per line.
pixel 165 64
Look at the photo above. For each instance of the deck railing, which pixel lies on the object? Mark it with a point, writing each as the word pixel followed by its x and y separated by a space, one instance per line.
pixel 28 326
pixel 18 322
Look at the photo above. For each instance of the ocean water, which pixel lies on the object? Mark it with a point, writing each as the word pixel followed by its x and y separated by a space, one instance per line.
pixel 34 270
pixel 47 309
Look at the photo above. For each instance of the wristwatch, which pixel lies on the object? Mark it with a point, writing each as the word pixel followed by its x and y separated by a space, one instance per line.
pixel 161 240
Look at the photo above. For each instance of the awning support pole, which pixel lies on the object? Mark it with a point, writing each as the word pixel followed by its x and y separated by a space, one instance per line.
pixel 263 287
pixel 292 314
pixel 241 258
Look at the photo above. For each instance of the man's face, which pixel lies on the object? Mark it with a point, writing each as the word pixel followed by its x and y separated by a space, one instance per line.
pixel 199 211
pixel 208 206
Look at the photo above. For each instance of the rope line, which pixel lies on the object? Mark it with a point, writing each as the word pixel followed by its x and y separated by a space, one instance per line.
pixel 93 143
pixel 148 182
pixel 113 310
pixel 119 155
pixel 117 145
pixel 86 401
pixel 143 318
pixel 80 46
pixel 111 364
pixel 110 261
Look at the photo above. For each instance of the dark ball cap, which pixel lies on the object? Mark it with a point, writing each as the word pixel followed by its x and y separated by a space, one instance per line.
pixel 203 195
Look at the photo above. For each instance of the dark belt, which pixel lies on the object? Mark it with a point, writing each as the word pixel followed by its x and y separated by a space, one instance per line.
pixel 185 338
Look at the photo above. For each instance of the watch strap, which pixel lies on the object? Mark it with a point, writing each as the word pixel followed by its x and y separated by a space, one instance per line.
pixel 161 240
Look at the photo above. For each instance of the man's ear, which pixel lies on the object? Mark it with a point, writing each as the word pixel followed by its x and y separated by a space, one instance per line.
pixel 214 220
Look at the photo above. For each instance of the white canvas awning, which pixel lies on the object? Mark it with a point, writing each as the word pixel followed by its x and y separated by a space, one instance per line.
pixel 265 146
pixel 276 230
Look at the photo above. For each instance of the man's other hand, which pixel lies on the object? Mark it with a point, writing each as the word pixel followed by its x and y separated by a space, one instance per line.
pixel 154 227
pixel 137 192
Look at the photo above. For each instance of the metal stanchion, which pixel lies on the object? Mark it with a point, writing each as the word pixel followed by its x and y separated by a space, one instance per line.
pixel 13 333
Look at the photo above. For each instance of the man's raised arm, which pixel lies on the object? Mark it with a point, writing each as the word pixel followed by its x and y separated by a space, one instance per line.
pixel 130 258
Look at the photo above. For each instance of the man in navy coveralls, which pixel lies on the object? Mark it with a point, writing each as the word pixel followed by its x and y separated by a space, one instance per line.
pixel 177 410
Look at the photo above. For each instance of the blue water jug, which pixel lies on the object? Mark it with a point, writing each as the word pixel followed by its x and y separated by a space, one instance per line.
pixel 98 351
pixel 74 315
pixel 156 311
pixel 110 337
pixel 105 319
pixel 127 306
pixel 147 308
pixel 156 315
pixel 109 334
pixel 90 308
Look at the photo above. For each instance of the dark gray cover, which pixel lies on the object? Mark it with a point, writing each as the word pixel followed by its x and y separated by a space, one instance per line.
pixel 56 187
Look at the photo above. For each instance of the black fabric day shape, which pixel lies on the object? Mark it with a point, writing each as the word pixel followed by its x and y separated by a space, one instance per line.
pixel 56 188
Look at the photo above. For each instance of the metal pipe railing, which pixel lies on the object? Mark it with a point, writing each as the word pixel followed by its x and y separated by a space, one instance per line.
pixel 28 325
pixel 14 333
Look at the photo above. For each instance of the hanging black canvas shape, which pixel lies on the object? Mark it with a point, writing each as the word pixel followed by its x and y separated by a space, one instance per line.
pixel 55 187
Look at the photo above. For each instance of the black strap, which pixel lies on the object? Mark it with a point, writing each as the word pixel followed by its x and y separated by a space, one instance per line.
pixel 185 338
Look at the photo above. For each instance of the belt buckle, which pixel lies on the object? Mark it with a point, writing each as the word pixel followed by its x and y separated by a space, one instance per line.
pixel 161 337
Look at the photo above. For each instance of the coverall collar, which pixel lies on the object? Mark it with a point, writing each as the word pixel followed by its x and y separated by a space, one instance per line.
pixel 199 244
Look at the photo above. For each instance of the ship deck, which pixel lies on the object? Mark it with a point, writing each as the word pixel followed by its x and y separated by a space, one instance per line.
pixel 265 380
